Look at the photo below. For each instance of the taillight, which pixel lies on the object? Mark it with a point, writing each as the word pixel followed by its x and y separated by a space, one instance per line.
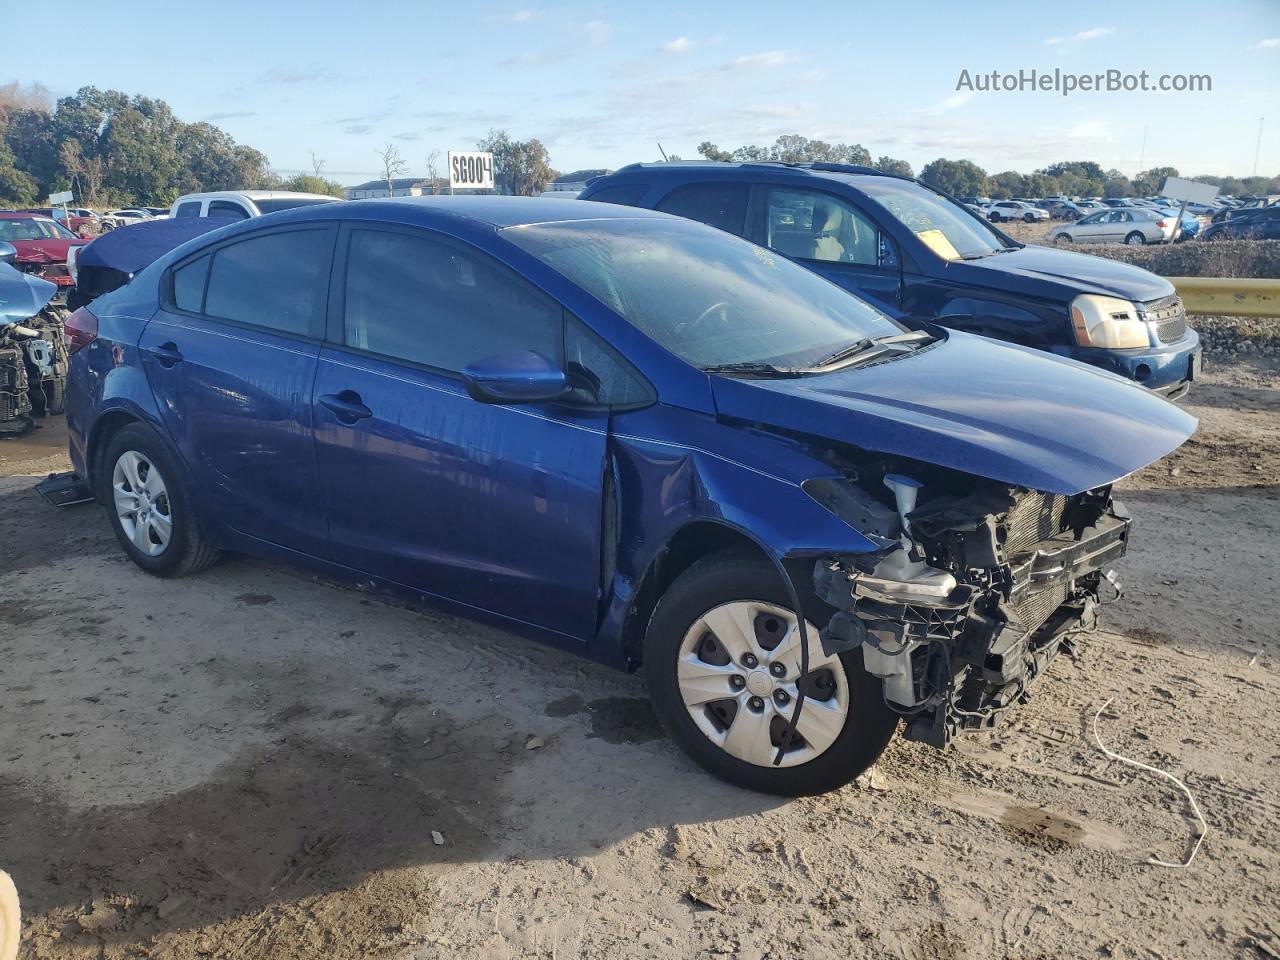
pixel 80 329
pixel 1161 224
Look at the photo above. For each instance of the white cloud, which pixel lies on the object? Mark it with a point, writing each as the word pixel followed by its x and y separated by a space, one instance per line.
pixel 597 32
pixel 520 16
pixel 1093 34
pixel 769 58
pixel 678 45
pixel 1088 130
pixel 1269 44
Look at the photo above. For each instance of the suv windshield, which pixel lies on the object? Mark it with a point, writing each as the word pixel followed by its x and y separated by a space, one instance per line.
pixel 710 298
pixel 946 228
pixel 287 203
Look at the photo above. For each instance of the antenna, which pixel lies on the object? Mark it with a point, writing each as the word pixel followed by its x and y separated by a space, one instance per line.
pixel 1258 149
pixel 664 154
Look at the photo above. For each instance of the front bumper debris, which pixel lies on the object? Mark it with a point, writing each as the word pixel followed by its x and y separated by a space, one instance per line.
pixel 1028 582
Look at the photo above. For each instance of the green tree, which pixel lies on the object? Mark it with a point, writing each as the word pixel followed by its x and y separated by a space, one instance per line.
pixel 520 167
pixel 1117 186
pixel 711 152
pixel 960 178
pixel 1004 185
pixel 307 183
pixel 890 165
pixel 1151 182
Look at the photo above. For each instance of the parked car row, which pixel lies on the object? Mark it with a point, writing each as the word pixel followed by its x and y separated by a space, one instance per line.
pixel 810 515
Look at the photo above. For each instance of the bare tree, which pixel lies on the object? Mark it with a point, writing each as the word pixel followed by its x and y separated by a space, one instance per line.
pixel 433 166
pixel 392 166
pixel 317 164
pixel 86 173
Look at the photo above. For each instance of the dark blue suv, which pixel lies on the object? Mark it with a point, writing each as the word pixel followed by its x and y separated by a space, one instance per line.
pixel 903 244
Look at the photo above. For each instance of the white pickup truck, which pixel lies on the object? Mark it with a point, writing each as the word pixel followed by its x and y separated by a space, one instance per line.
pixel 243 204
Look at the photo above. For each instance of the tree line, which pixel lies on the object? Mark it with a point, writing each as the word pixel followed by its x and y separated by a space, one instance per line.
pixel 964 178
pixel 113 149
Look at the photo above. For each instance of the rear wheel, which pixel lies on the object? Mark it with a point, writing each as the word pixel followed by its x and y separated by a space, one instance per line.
pixel 1135 239
pixel 722 663
pixel 148 506
pixel 1062 238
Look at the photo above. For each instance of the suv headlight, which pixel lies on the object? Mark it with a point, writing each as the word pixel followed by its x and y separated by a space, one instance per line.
pixel 1108 322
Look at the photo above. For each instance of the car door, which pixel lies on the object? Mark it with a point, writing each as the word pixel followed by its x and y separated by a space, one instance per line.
pixel 231 357
pixel 1089 229
pixel 493 506
pixel 833 238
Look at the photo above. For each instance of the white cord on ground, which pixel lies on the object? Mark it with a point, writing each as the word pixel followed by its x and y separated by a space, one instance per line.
pixel 1204 827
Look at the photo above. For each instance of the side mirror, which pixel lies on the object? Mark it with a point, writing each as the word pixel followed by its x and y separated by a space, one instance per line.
pixel 8 253
pixel 521 377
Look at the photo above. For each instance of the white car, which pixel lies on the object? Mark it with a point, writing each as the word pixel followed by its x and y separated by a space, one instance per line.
pixel 130 215
pixel 243 204
pixel 1015 210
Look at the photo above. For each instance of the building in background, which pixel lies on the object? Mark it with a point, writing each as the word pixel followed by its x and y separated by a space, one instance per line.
pixel 401 187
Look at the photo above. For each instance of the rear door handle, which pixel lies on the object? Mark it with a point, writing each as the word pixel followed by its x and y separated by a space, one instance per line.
pixel 167 354
pixel 346 405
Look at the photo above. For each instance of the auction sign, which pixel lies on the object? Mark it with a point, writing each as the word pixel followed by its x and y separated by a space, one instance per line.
pixel 470 171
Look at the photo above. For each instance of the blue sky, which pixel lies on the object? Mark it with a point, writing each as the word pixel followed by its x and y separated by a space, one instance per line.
pixel 600 83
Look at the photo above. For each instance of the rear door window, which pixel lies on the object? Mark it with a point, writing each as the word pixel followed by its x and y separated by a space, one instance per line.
pixel 721 205
pixel 418 298
pixel 189 209
pixel 188 285
pixel 227 210
pixel 271 280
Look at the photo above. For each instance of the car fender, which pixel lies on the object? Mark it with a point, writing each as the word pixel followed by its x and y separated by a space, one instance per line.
pixel 663 488
pixel 1003 320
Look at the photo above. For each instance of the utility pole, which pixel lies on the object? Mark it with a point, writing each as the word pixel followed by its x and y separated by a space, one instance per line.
pixel 1142 157
pixel 1258 149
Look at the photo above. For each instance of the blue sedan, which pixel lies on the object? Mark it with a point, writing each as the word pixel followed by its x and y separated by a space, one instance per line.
pixel 631 435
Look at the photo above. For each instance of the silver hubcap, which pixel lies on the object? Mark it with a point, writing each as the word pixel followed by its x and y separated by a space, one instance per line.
pixel 142 503
pixel 739 676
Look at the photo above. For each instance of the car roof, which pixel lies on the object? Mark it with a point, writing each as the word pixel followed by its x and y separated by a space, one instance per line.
pixel 497 211
pixel 846 172
pixel 18 215
pixel 254 195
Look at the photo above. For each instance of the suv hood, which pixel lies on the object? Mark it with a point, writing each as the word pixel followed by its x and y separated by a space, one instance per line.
pixel 1009 413
pixel 1062 274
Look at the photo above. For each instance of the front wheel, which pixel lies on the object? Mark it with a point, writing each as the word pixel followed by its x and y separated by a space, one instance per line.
pixel 1030 218
pixel 148 506
pixel 995 218
pixel 1135 239
pixel 722 663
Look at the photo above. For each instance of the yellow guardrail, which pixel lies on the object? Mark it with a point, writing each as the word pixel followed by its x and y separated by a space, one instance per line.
pixel 1226 297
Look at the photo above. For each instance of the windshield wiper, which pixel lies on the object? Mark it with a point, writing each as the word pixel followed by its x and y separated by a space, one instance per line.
pixel 752 367
pixel 871 345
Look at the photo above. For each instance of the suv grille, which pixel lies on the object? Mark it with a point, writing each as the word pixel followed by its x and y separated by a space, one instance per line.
pixel 1169 317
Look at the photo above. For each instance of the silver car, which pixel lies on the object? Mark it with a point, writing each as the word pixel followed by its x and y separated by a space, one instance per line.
pixel 1132 225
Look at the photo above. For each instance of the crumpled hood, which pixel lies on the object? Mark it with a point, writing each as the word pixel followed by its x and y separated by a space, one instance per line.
pixel 22 296
pixel 1063 274
pixel 1009 413
pixel 49 250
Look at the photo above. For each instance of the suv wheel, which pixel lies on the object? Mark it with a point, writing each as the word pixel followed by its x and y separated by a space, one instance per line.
pixel 995 217
pixel 722 663
pixel 1029 217
pixel 1135 239
pixel 148 506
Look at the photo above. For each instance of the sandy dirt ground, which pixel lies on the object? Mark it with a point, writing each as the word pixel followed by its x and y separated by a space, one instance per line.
pixel 255 764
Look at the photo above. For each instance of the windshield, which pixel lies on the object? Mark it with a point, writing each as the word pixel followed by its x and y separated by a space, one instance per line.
pixel 707 296
pixel 945 227
pixel 288 203
pixel 33 229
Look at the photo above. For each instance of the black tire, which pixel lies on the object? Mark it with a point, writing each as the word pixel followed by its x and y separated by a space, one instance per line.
pixel 1135 239
pixel 56 395
pixel 1062 238
pixel 187 551
pixel 723 578
pixel 995 218
pixel 1030 218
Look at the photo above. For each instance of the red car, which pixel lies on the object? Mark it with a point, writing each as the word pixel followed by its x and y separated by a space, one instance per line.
pixel 42 245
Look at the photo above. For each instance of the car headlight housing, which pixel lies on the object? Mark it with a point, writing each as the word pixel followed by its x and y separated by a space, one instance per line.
pixel 1108 322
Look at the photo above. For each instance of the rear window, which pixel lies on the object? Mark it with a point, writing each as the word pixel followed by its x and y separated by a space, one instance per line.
pixel 720 205
pixel 270 280
pixel 627 194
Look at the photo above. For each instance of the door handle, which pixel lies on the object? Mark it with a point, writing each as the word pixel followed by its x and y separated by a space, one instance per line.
pixel 167 354
pixel 346 405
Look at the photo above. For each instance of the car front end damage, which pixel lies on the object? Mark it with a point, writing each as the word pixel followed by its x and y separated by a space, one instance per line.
pixel 971 597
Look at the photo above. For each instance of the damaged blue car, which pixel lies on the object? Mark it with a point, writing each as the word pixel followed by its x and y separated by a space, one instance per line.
pixel 631 435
